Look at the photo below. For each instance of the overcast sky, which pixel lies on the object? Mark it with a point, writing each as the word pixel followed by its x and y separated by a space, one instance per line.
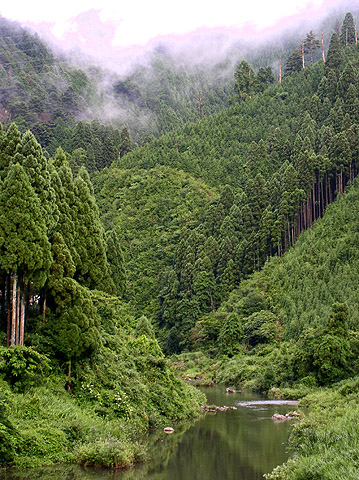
pixel 136 22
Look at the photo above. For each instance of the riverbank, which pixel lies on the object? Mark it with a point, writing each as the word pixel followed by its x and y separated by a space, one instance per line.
pixel 239 441
pixel 102 418
pixel 323 444
pixel 97 425
pixel 47 425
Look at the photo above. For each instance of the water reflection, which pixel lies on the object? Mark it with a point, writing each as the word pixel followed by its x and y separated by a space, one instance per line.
pixel 237 444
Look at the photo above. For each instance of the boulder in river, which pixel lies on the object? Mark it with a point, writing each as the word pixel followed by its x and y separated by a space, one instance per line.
pixel 168 430
pixel 277 417
pixel 230 390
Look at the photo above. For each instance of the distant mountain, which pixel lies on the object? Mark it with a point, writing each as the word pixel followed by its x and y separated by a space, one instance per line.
pixel 172 83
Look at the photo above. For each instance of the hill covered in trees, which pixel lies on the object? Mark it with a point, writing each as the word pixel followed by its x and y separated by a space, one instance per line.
pixel 276 159
pixel 169 85
pixel 234 235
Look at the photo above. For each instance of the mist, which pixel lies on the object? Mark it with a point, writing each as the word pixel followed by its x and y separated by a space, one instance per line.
pixel 92 39
pixel 133 82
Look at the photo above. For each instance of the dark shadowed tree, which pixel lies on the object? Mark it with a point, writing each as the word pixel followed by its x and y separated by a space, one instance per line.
pixel 116 262
pixel 347 33
pixel 334 56
pixel 293 63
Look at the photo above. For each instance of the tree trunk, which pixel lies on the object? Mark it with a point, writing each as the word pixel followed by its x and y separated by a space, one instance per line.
pixel 27 301
pixel 8 302
pixel 212 302
pixel 303 61
pixel 175 138
pixel 301 226
pixel 22 313
pixel 43 316
pixel 3 300
pixel 326 189
pixel 311 208
pixel 289 238
pixel 18 300
pixel 330 192
pixel 14 302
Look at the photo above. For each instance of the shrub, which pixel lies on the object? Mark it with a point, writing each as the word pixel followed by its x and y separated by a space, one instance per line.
pixel 111 453
pixel 22 366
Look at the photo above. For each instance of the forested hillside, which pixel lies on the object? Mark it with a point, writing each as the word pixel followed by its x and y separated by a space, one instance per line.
pixel 277 159
pixel 297 319
pixel 230 237
pixel 50 92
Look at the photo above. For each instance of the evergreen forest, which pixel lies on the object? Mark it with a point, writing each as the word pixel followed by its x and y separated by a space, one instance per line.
pixel 211 237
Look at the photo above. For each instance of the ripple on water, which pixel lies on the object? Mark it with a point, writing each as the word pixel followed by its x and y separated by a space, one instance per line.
pixel 261 403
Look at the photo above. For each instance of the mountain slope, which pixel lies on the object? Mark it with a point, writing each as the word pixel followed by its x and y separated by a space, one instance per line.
pixel 287 153
pixel 148 209
pixel 321 269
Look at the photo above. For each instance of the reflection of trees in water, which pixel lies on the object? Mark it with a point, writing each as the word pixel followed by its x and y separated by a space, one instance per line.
pixel 227 446
pixel 161 449
pixel 230 447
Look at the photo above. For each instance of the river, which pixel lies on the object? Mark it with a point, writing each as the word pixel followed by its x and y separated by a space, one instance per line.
pixel 240 444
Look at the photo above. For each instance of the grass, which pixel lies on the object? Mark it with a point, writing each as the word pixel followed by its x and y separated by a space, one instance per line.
pixel 326 442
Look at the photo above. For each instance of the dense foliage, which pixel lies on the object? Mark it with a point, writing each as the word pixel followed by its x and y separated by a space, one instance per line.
pixel 285 154
pixel 149 208
pixel 326 440
pixel 229 240
pixel 59 314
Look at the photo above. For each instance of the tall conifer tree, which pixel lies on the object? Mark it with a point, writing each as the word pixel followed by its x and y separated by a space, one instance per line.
pixel 334 56
pixel 24 247
pixel 347 33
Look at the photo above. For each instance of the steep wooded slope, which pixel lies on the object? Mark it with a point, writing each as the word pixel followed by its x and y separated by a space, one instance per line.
pixel 285 155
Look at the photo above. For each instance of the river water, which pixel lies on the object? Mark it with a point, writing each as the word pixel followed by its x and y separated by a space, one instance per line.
pixel 240 444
